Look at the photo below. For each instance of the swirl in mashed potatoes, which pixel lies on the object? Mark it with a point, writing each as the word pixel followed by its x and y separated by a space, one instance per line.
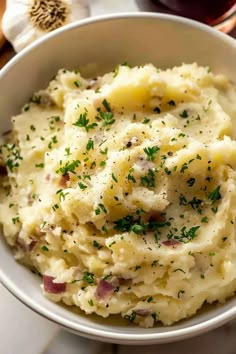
pixel 121 191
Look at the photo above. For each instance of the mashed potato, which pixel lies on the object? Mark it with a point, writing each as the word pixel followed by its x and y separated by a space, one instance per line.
pixel 121 191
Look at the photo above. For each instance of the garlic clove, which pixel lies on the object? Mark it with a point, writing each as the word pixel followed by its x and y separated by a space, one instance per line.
pixel 26 37
pixel 26 20
pixel 19 20
pixel 81 10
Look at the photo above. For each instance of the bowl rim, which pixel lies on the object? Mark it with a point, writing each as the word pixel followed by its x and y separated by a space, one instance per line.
pixel 76 327
pixel 108 17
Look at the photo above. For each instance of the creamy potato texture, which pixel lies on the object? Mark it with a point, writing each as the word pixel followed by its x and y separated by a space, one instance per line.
pixel 121 191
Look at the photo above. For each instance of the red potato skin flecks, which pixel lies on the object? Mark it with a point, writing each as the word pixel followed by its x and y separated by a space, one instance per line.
pixel 26 247
pixel 64 179
pixel 171 243
pixel 51 287
pixel 104 289
pixel 142 312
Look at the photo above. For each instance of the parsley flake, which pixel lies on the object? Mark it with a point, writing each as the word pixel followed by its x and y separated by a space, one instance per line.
pixel 114 177
pixel 83 122
pixel 88 277
pixel 149 179
pixel 78 83
pixel 69 167
pixel 44 248
pixel 157 110
pixel 90 145
pixel 184 114
pixel 215 195
pixel 191 182
pixel 151 152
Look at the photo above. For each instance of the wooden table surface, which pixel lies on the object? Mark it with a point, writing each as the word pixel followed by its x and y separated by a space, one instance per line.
pixel 6 53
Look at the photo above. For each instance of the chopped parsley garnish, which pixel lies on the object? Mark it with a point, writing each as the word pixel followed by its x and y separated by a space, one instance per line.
pixel 157 110
pixel 52 121
pixel 131 178
pixel 130 317
pixel 137 267
pixel 137 229
pixel 191 181
pixel 179 270
pixel 184 114
pixel 149 179
pixel 100 207
pixel 62 195
pixel 78 83
pixel 90 145
pixel 214 210
pixel 106 105
pixel 83 122
pixel 40 165
pixel 10 164
pixel 149 299
pixel 44 248
pixel 154 263
pixel 106 117
pixel 188 235
pixel 184 167
pixel 104 152
pixel 154 316
pixel 211 254
pixel 124 224
pixel 26 108
pixel 35 99
pixel 146 120
pixel 90 302
pixel 109 275
pixel 96 245
pixel 131 223
pixel 204 219
pixel 171 103
pixel 32 127
pixel 82 186
pixel 69 167
pixel 151 152
pixel 185 235
pixel 116 71
pixel 182 200
pixel 16 219
pixel 103 163
pixel 67 151
pixel 13 156
pixel 104 229
pixel 114 177
pixel 215 195
pixel 195 202
pixel 205 109
pixel 88 277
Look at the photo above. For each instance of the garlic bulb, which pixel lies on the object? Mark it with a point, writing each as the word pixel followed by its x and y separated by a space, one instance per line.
pixel 26 20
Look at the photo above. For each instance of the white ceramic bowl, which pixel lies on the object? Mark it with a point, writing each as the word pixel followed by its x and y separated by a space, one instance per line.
pixel 97 45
